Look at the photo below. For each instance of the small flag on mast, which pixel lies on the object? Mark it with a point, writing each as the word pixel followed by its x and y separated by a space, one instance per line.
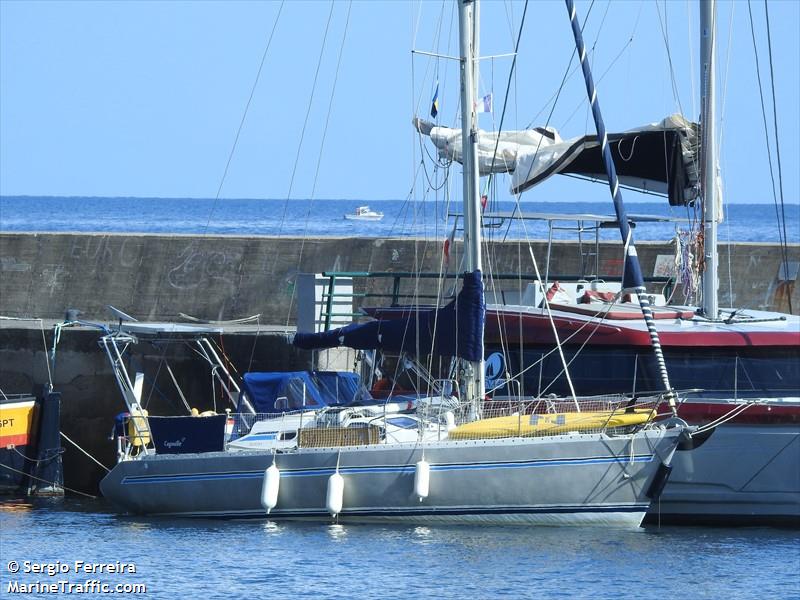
pixel 485 104
pixel 435 102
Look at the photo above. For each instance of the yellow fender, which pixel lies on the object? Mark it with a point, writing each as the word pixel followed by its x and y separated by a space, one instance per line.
pixel 138 427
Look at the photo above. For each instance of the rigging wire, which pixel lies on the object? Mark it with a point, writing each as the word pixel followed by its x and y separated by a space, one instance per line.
pixel 506 96
pixel 691 34
pixel 608 69
pixel 508 89
pixel 321 149
pixel 239 131
pixel 547 122
pixel 244 117
pixel 664 34
pixel 305 123
pixel 519 254
pixel 602 76
pixel 518 196
pixel 47 356
pixel 777 151
pixel 693 234
pixel 570 71
pixel 778 212
pixel 726 80
pixel 591 62
pixel 418 208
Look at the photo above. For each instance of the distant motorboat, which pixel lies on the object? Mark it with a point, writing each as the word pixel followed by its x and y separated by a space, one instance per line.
pixel 364 213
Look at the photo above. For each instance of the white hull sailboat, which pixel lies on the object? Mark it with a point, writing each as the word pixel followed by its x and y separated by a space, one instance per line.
pixel 601 467
pixel 595 479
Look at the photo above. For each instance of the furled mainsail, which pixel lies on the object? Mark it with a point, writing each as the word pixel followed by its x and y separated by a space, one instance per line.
pixel 453 330
pixel 660 157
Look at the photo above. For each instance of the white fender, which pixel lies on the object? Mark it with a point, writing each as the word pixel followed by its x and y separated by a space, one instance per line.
pixel 422 479
pixel 269 490
pixel 333 502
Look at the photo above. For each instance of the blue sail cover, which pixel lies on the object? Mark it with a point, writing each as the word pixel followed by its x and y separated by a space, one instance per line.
pixel 338 387
pixel 264 389
pixel 453 330
pixel 296 390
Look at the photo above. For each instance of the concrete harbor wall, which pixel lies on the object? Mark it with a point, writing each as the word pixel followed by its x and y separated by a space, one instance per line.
pixel 153 277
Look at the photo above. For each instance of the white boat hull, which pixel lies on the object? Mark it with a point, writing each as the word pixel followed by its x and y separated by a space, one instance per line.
pixel 363 217
pixel 571 479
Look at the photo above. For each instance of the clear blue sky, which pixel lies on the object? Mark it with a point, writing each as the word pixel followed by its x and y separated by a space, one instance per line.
pixel 145 98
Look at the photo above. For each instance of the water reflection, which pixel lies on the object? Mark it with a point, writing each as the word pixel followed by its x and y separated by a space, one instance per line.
pixel 16 505
pixel 272 528
pixel 337 532
pixel 135 525
pixel 423 534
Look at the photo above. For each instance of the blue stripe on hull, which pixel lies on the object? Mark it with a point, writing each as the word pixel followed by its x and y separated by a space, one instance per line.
pixel 464 511
pixel 404 469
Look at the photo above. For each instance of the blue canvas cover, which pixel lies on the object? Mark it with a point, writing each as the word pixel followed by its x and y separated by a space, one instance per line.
pixel 453 330
pixel 297 387
pixel 339 387
pixel 188 435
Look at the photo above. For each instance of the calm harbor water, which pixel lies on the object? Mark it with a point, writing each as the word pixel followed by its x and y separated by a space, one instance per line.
pixel 306 218
pixel 260 559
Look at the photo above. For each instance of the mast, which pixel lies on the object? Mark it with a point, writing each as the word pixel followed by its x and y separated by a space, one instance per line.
pixel 476 49
pixel 632 279
pixel 469 135
pixel 708 157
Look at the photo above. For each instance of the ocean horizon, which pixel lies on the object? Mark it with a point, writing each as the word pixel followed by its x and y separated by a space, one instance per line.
pixel 753 222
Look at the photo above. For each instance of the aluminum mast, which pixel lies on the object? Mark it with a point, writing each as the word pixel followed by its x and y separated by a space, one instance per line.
pixel 708 157
pixel 469 135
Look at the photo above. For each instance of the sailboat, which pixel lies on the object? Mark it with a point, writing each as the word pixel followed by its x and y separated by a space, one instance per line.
pixel 743 365
pixel 550 469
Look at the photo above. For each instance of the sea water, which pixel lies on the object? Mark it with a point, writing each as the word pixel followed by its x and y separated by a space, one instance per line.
pixel 313 219
pixel 205 559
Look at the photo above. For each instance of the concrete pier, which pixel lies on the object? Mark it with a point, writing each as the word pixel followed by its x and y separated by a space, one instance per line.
pixel 156 277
